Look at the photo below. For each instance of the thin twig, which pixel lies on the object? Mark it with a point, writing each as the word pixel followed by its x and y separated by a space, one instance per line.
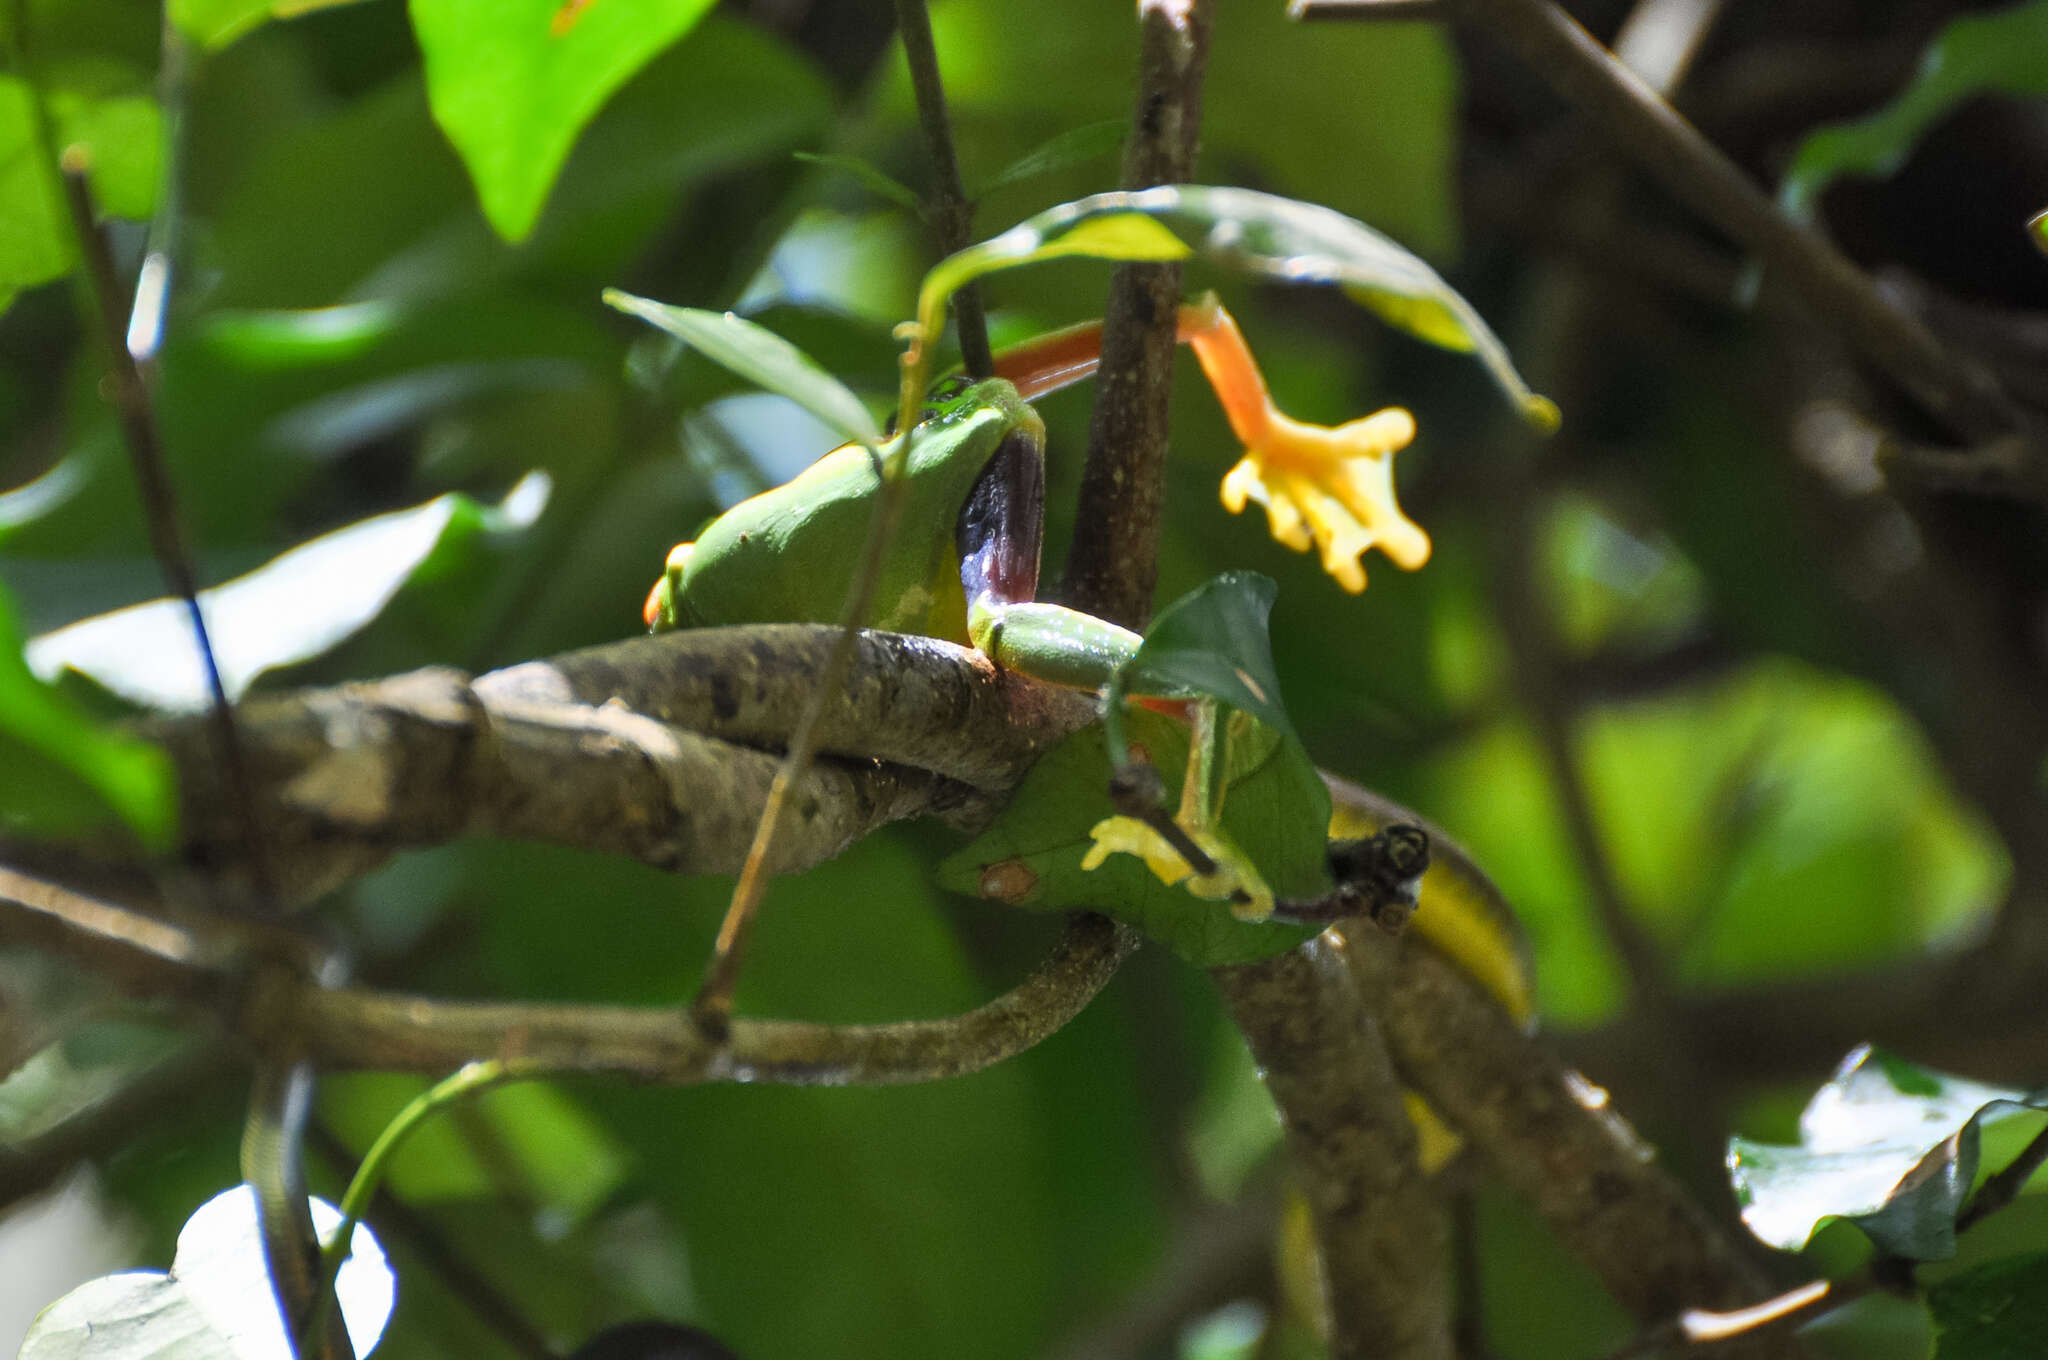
pixel 396 1221
pixel 951 211
pixel 152 478
pixel 1114 562
pixel 1553 45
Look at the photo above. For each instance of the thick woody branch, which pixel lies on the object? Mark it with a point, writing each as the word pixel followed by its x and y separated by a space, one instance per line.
pixel 1381 1228
pixel 1552 1138
pixel 657 748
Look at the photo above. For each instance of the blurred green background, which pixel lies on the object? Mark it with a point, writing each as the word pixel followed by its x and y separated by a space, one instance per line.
pixel 1778 780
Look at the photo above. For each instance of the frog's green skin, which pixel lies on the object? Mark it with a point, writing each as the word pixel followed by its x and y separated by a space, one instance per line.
pixel 963 564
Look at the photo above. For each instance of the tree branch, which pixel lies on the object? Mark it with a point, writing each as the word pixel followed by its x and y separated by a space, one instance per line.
pixel 646 748
pixel 1381 1228
pixel 1588 77
pixel 354 1027
pixel 1552 1138
pixel 1113 565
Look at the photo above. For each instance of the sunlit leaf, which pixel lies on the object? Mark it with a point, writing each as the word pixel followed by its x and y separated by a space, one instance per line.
pixel 1255 233
pixel 512 83
pixel 287 611
pixel 1891 1147
pixel 216 1302
pixel 1997 1311
pixel 762 357
pixel 2005 52
pixel 60 772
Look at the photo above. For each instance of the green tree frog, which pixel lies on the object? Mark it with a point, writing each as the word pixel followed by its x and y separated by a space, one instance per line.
pixel 964 565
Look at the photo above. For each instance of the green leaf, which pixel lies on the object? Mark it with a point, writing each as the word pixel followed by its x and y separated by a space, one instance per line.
pixel 1254 233
pixel 1075 146
pixel 1277 812
pixel 512 83
pixel 216 1302
pixel 1889 1146
pixel 1998 1311
pixel 213 24
pixel 2001 53
pixel 35 243
pixel 289 610
pixel 1214 641
pixel 100 105
pixel 870 176
pixel 60 773
pixel 762 357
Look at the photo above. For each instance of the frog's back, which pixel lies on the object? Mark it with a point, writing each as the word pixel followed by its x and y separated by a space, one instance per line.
pixel 789 555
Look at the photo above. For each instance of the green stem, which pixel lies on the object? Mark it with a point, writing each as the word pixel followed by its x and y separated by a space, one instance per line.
pixel 470 1079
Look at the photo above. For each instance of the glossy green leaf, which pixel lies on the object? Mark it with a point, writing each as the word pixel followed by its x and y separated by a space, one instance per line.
pixel 287 611
pixel 760 356
pixel 512 83
pixel 1255 233
pixel 1889 1146
pixel 62 773
pixel 2005 52
pixel 1214 641
pixel 216 1301
pixel 1075 146
pixel 213 24
pixel 1277 813
pixel 1996 1311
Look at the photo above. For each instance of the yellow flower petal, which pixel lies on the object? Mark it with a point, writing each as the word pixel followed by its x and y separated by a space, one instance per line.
pixel 1332 489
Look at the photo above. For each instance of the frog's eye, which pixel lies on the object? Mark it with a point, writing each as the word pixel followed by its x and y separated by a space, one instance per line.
pixel 939 398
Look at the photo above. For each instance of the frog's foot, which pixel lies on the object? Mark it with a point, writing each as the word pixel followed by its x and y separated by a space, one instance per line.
pixel 1333 488
pixel 1233 879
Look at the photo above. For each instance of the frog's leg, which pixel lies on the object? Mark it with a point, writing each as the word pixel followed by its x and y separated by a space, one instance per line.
pixel 1214 867
pixel 1327 487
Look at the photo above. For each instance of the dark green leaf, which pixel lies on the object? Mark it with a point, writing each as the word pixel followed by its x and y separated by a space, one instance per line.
pixel 1997 1311
pixel 1213 641
pixel 1075 146
pixel 870 177
pixel 1277 812
pixel 513 82
pixel 289 610
pixel 760 356
pixel 2005 52
pixel 60 772
pixel 1889 1146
